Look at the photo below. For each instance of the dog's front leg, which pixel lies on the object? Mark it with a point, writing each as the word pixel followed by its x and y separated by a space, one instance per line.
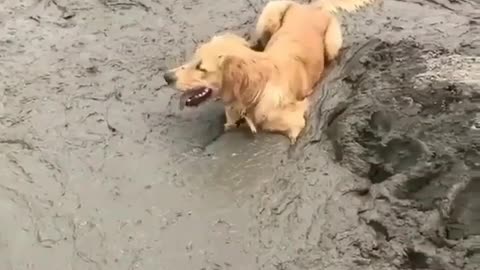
pixel 251 125
pixel 232 116
pixel 249 121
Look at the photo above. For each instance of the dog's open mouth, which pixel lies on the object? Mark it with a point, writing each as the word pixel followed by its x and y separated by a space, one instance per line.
pixel 195 96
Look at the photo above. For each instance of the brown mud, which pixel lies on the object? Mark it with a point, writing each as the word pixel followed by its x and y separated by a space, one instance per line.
pixel 100 170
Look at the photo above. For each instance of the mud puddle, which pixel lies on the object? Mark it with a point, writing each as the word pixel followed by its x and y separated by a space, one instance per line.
pixel 99 170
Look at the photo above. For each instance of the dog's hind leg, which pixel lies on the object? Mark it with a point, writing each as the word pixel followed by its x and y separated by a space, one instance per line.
pixel 333 39
pixel 288 121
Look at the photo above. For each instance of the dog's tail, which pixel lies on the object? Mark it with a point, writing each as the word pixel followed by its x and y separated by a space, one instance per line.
pixel 333 34
pixel 334 6
pixel 333 39
pixel 270 20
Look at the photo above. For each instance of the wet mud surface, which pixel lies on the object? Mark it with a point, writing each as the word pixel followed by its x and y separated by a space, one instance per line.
pixel 100 170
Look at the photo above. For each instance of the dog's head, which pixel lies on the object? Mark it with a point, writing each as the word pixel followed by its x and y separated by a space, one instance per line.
pixel 216 70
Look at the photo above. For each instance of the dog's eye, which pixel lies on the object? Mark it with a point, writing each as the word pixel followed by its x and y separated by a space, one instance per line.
pixel 199 67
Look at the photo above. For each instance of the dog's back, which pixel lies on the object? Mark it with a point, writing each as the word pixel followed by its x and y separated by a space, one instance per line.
pixel 298 43
pixel 302 36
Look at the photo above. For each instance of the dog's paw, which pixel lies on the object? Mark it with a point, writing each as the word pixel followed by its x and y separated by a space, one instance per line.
pixel 229 126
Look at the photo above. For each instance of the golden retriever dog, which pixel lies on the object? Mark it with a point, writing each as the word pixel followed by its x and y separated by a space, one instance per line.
pixel 268 88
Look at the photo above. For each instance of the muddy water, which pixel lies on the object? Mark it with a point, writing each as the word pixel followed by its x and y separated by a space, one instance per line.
pixel 100 170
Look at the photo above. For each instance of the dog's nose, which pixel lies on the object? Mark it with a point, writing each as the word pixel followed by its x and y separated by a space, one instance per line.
pixel 170 77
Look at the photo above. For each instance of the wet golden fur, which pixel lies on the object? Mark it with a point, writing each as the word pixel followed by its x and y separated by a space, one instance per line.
pixel 269 88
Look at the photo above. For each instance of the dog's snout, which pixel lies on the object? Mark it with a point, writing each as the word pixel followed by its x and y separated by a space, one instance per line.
pixel 170 77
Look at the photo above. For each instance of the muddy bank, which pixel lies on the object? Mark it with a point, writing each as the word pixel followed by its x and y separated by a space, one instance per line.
pixel 99 169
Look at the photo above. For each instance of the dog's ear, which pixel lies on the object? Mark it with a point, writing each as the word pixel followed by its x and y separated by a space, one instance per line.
pixel 242 79
pixel 234 77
